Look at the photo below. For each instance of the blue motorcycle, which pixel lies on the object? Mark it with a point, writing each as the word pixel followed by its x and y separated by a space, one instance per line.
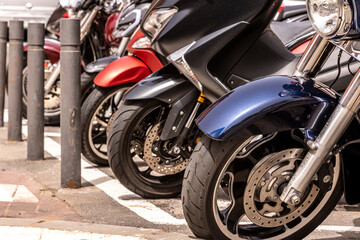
pixel 279 152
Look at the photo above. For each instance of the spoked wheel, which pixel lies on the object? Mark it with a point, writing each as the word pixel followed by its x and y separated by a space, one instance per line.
pixel 139 159
pixel 96 113
pixel 232 189
pixel 51 100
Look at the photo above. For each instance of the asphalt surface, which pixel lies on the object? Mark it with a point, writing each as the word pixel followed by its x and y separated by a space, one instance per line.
pixel 102 200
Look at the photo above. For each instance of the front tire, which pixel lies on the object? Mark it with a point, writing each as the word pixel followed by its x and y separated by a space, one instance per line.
pixel 96 112
pixel 126 143
pixel 215 173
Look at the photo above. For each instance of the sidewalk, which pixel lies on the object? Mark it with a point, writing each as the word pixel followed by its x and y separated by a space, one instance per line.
pixel 33 206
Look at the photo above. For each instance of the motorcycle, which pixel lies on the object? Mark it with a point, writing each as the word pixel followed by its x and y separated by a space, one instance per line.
pixel 126 23
pixel 96 16
pixel 279 152
pixel 110 85
pixel 153 133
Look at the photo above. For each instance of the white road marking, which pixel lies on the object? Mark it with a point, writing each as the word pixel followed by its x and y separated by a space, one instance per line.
pixel 115 190
pixel 52 134
pixel 334 228
pixel 29 233
pixel 140 206
pixel 16 193
pixel 6 115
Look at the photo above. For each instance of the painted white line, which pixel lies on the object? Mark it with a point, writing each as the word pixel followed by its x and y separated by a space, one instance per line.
pixel 5 196
pixel 115 190
pixel 16 193
pixel 338 228
pixel 52 134
pixel 28 233
pixel 6 115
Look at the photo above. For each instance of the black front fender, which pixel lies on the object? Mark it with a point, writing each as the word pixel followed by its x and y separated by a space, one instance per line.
pixel 98 65
pixel 269 105
pixel 171 87
pixel 166 85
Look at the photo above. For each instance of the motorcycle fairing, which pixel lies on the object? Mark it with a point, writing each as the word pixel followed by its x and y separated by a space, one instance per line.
pixel 127 69
pixel 98 65
pixel 269 105
pixel 166 85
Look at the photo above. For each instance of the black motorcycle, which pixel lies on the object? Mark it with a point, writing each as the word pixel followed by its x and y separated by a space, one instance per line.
pixel 213 47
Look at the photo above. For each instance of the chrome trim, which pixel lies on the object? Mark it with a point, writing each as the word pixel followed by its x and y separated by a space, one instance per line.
pixel 343 25
pixel 314 57
pixel 122 47
pixel 329 136
pixel 193 115
pixel 134 24
pixel 86 22
pixel 177 58
pixel 52 79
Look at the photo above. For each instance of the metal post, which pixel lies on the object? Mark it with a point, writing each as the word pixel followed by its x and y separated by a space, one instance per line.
pixel 70 103
pixel 35 86
pixel 16 35
pixel 3 42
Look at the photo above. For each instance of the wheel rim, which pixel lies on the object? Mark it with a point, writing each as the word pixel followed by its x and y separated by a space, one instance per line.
pixel 149 125
pixel 97 131
pixel 52 99
pixel 233 209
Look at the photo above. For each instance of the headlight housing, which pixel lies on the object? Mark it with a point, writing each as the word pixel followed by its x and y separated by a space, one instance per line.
pixel 330 18
pixel 178 59
pixel 157 20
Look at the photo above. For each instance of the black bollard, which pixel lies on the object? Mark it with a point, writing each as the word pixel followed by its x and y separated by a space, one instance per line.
pixel 16 36
pixel 35 86
pixel 70 103
pixel 3 42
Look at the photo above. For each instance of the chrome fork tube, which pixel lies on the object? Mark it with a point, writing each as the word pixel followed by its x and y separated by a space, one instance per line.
pixel 314 57
pixel 324 143
pixel 122 47
pixel 85 25
pixel 86 22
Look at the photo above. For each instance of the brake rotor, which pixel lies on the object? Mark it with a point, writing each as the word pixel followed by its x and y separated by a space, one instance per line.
pixel 154 161
pixel 268 178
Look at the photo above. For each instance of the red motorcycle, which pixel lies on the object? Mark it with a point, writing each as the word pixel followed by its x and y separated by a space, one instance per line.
pixel 111 84
pixel 98 20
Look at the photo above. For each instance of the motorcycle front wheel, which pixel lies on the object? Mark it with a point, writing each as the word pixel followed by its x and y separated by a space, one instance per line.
pixel 232 189
pixel 96 112
pixel 137 156
pixel 52 99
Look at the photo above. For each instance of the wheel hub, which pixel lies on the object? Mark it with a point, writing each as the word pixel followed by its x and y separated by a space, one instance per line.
pixel 265 184
pixel 153 159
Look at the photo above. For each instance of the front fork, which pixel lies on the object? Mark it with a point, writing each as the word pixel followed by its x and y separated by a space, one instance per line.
pixel 344 113
pixel 186 130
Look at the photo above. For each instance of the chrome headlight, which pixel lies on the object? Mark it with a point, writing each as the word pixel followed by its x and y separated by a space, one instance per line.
pixel 330 18
pixel 157 20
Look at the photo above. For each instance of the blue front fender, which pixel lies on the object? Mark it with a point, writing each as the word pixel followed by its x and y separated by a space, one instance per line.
pixel 269 105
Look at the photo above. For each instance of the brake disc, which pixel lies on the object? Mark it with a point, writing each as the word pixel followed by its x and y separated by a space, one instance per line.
pixel 154 161
pixel 266 181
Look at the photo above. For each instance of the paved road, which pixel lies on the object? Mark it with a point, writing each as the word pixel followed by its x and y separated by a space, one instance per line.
pixel 103 200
